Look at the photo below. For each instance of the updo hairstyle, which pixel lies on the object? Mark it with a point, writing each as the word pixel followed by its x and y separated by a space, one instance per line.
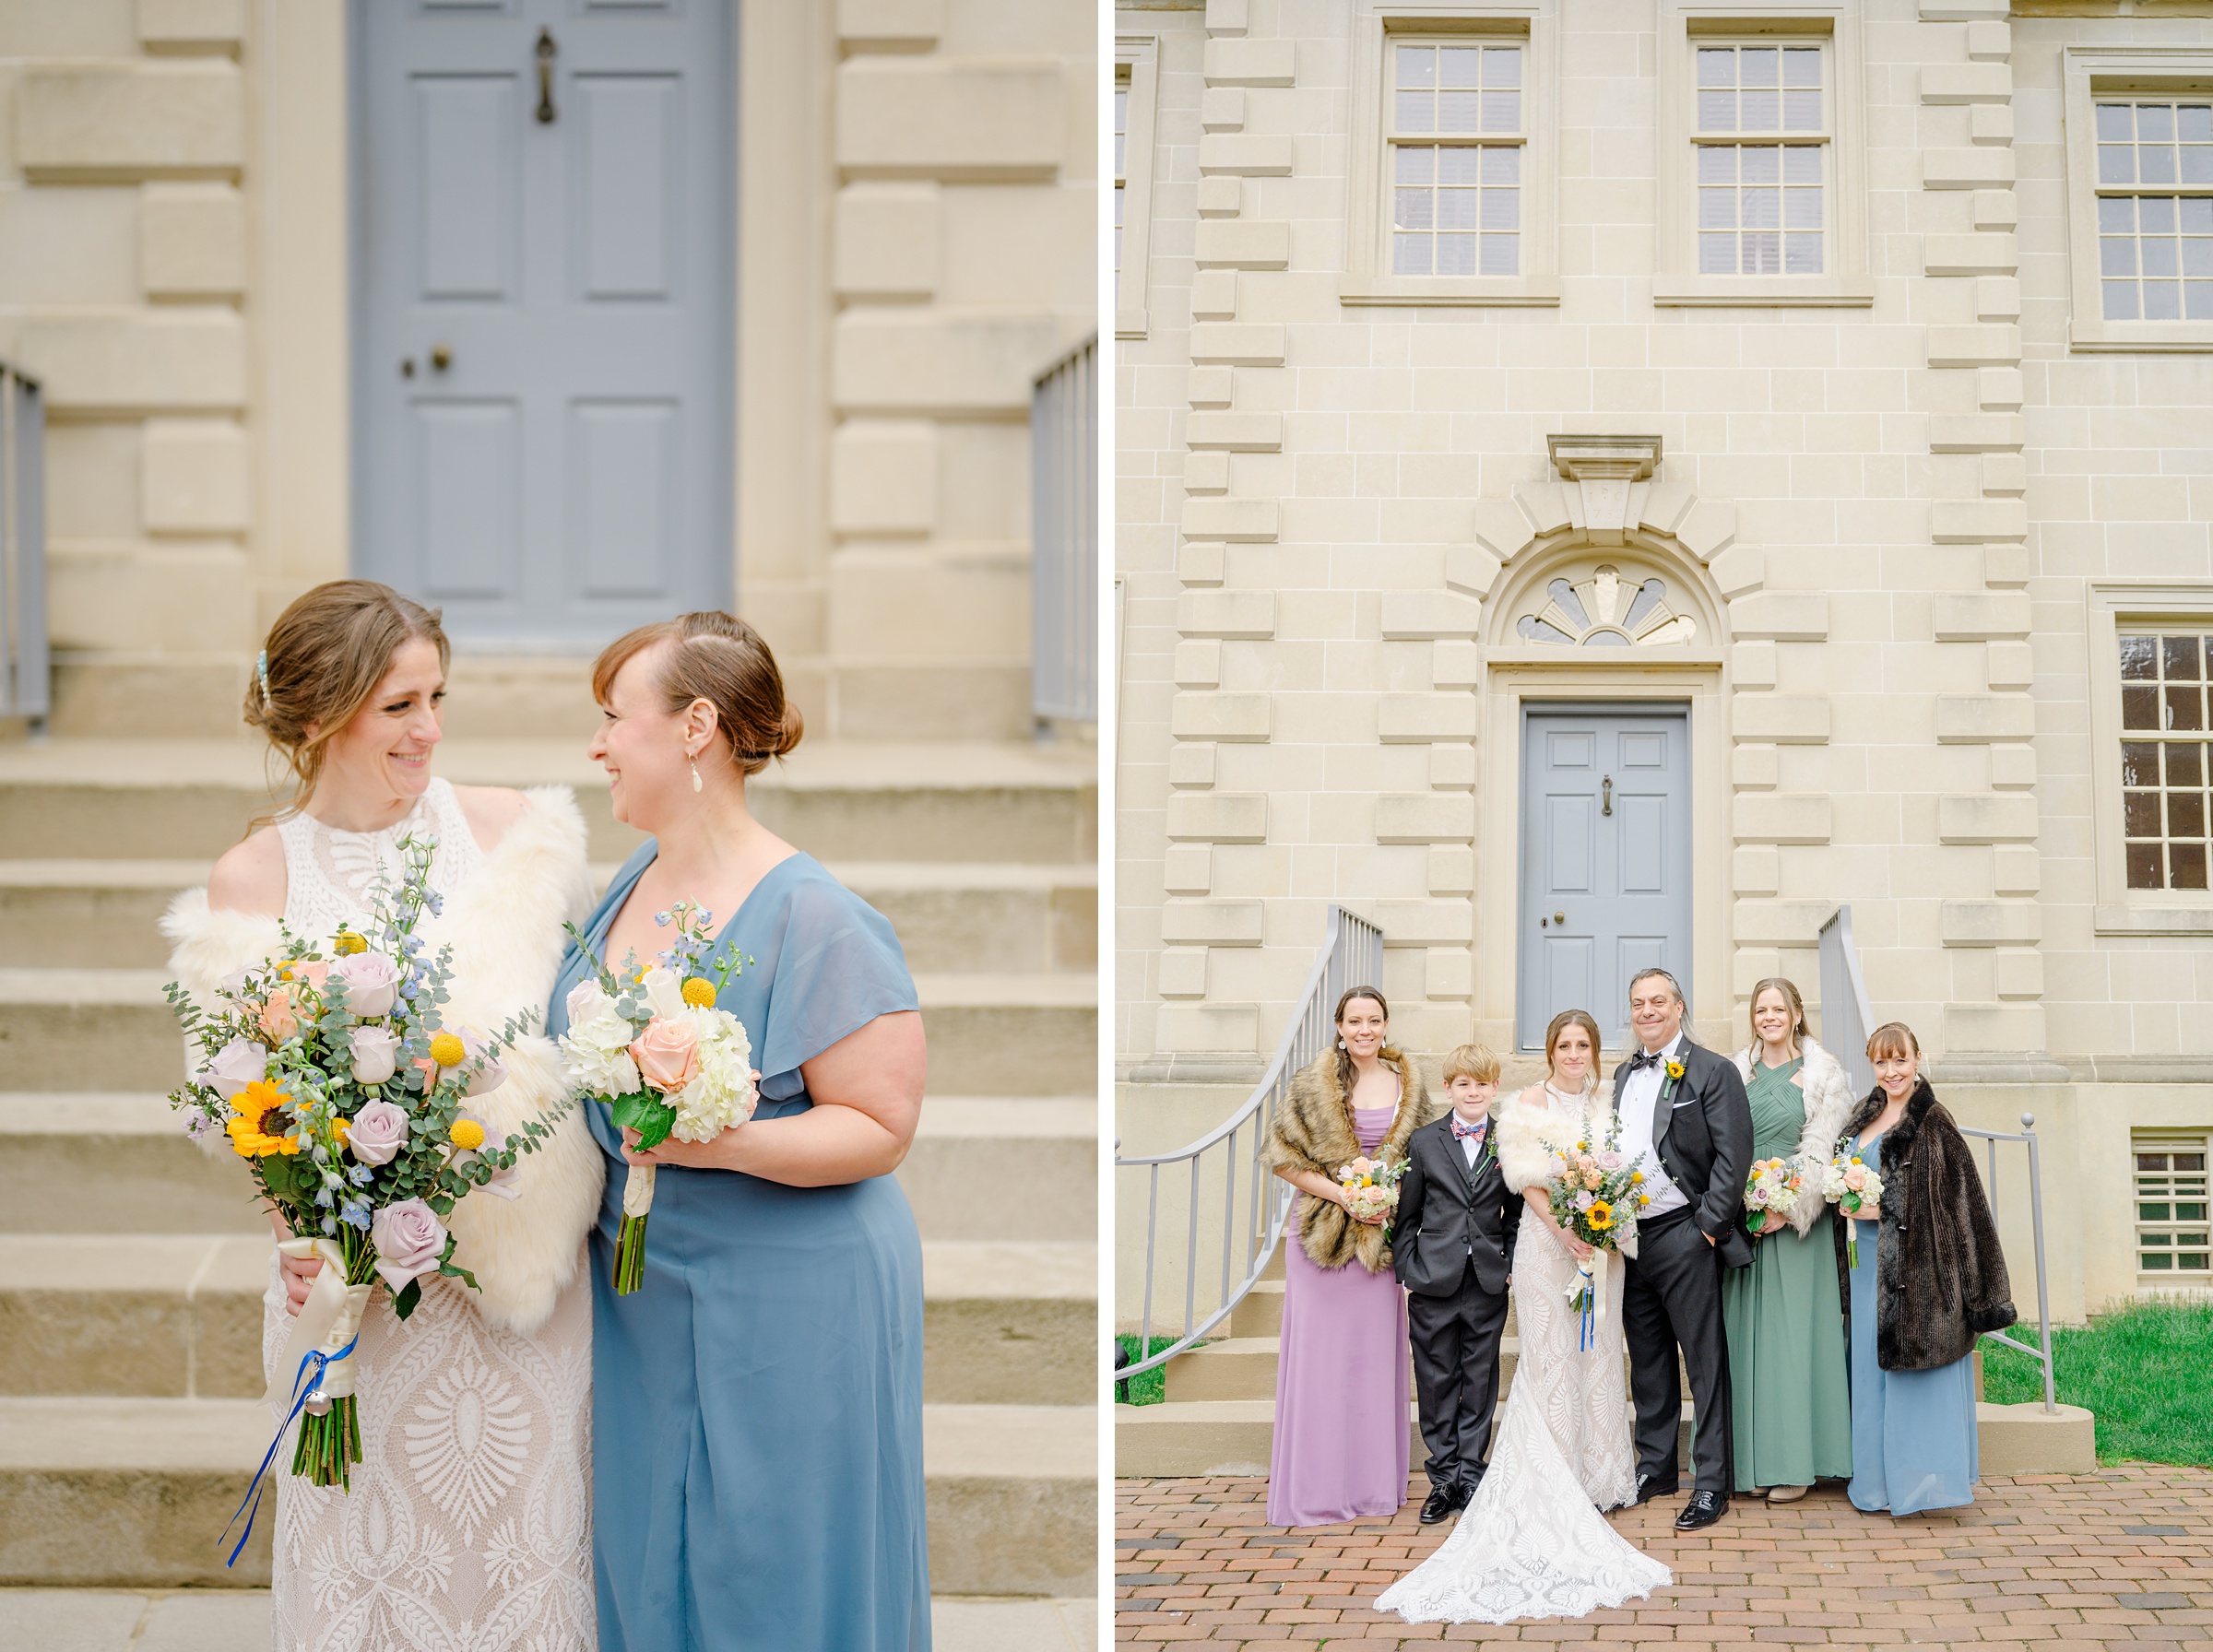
pixel 1560 1023
pixel 721 660
pixel 320 664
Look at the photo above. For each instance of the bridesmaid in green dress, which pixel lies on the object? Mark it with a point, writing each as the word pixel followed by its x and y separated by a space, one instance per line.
pixel 1785 1316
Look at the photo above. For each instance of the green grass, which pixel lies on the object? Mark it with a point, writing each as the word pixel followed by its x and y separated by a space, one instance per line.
pixel 1151 1388
pixel 2141 1369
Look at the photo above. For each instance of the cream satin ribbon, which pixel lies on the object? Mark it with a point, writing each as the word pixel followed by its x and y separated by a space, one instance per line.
pixel 637 1188
pixel 326 1323
pixel 1594 1268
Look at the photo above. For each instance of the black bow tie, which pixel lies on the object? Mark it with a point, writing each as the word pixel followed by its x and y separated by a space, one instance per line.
pixel 1644 1059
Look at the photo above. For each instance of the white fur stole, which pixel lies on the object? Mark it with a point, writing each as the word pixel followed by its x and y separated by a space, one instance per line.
pixel 504 926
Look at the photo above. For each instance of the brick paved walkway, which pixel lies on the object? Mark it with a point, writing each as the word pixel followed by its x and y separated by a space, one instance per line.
pixel 2123 1558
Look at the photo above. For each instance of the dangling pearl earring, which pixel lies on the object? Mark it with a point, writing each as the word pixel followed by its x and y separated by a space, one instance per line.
pixel 697 785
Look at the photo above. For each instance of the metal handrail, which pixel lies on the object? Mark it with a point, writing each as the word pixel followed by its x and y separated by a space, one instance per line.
pixel 1847 1020
pixel 26 669
pixel 1352 954
pixel 1064 540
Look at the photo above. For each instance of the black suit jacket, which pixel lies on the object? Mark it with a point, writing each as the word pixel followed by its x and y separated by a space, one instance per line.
pixel 1447 1213
pixel 1702 1133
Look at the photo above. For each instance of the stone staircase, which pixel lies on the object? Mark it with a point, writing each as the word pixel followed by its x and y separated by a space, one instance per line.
pixel 131 1266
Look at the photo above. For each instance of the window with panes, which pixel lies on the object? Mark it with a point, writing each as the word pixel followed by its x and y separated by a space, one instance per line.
pixel 2173 1235
pixel 2155 207
pixel 1455 124
pixel 2166 761
pixel 1762 135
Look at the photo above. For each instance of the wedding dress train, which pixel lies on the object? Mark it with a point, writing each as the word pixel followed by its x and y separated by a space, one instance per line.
pixel 1532 1542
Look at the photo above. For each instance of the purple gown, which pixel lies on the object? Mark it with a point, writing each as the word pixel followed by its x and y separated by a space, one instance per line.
pixel 1343 1432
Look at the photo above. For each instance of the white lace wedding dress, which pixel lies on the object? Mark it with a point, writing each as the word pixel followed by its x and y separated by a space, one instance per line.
pixel 468 1525
pixel 1531 1544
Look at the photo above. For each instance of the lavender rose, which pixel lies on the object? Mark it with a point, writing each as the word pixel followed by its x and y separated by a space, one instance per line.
pixel 375 1053
pixel 491 1075
pixel 377 1132
pixel 371 983
pixel 232 1068
pixel 409 1239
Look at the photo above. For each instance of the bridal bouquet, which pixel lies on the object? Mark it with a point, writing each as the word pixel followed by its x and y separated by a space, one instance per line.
pixel 330 1071
pixel 1371 1187
pixel 1775 1184
pixel 1852 1185
pixel 650 1044
pixel 1595 1194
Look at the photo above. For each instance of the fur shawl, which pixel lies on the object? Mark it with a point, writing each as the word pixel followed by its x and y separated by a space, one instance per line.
pixel 1313 1130
pixel 506 928
pixel 1828 1103
pixel 1528 1130
pixel 1940 1276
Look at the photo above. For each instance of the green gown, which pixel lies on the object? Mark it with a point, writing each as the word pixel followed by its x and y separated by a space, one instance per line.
pixel 1793 1409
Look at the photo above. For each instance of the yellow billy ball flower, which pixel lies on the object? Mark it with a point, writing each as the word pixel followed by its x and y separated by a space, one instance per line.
pixel 347 943
pixel 468 1135
pixel 447 1050
pixel 699 994
pixel 1636 1179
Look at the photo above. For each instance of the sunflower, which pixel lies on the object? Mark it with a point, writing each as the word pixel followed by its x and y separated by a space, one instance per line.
pixel 1600 1216
pixel 259 1126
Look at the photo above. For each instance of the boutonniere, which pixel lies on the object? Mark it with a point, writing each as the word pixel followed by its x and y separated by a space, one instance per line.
pixel 1674 1069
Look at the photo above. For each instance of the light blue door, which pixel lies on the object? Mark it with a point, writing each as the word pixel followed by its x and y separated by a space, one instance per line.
pixel 544 300
pixel 1605 860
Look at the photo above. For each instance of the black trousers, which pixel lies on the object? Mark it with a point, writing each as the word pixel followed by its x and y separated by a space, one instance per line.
pixel 1455 1343
pixel 1671 1298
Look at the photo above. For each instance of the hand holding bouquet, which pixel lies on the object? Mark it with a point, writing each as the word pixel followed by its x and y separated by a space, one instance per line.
pixel 1371 1187
pixel 1856 1190
pixel 1595 1194
pixel 1777 1185
pixel 650 1044
pixel 336 1079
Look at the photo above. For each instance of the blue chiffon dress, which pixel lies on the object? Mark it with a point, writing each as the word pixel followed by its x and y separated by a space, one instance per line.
pixel 1913 1438
pixel 757 1403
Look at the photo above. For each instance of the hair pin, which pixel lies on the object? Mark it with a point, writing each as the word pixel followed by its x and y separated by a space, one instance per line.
pixel 261 670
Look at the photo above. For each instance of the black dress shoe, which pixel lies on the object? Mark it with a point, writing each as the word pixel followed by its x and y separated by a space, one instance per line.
pixel 1443 1502
pixel 1648 1488
pixel 1703 1509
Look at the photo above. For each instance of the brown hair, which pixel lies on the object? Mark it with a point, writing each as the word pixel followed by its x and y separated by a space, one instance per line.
pixel 1476 1060
pixel 1345 1056
pixel 1789 989
pixel 319 664
pixel 1894 1039
pixel 721 660
pixel 1560 1023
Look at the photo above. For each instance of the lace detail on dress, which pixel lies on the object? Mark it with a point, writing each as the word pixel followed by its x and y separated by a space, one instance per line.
pixel 1529 1543
pixel 329 873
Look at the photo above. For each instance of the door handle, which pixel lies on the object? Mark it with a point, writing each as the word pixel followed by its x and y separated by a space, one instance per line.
pixel 1606 789
pixel 1559 918
pixel 545 49
pixel 442 356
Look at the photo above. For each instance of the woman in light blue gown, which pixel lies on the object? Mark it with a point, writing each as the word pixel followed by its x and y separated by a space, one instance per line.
pixel 757 1403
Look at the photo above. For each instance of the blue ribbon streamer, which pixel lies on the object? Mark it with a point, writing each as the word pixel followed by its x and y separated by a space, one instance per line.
pixel 303 1384
pixel 1590 1302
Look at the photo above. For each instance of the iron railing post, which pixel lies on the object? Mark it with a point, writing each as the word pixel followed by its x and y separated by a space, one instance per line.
pixel 1064 550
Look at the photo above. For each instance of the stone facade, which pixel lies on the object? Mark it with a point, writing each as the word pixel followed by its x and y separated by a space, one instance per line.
pixel 1901 507
pixel 915 230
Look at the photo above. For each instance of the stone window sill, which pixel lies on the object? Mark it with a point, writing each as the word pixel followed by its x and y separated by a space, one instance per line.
pixel 2142 336
pixel 1438 291
pixel 1763 292
pixel 2115 919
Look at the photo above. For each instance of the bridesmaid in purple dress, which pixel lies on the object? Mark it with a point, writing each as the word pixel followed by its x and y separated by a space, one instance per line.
pixel 1342 1424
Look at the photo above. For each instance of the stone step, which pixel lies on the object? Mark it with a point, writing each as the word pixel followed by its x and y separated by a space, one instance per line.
pixel 1037 1156
pixel 840 800
pixel 1245 1368
pixel 990 1033
pixel 228 1618
pixel 950 915
pixel 132 1493
pixel 1004 1322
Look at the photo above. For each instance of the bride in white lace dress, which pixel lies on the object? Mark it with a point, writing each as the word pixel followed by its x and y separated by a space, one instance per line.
pixel 1532 1542
pixel 467 1528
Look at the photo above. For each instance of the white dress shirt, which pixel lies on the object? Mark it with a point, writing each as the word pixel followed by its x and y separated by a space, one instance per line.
pixel 1634 1099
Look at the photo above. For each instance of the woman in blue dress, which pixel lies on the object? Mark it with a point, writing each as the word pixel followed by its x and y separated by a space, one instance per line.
pixel 757 1403
pixel 1924 1277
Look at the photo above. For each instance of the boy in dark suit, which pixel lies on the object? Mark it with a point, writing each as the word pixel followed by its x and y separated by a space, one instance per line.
pixel 1452 1249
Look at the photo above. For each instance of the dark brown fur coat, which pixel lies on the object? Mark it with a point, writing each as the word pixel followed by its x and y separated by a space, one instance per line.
pixel 1940 1277
pixel 1313 1130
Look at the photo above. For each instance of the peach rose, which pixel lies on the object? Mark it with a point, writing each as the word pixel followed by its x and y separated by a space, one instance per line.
pixel 277 1017
pixel 667 1054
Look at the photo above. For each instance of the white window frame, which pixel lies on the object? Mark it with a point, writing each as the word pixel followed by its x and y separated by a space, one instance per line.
pixel 2120 909
pixel 1844 282
pixel 1376 26
pixel 2087 72
pixel 1139 54
pixel 2160 1142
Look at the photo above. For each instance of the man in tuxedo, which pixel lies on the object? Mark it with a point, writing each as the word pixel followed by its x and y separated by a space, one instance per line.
pixel 1685 1123
pixel 1453 1248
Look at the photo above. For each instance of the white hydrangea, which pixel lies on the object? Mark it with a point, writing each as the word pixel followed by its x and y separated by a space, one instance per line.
pixel 597 1046
pixel 721 1094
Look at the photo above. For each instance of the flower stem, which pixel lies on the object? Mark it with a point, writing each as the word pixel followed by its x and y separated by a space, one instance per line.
pixel 630 1255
